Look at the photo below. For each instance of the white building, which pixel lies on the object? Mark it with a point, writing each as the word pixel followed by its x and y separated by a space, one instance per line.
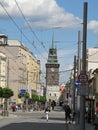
pixel 92 59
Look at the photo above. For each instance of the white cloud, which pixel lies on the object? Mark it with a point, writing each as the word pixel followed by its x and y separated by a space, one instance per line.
pixel 41 13
pixel 62 53
pixel 93 25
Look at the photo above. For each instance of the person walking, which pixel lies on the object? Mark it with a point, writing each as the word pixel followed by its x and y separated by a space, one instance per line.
pixel 67 112
pixel 47 111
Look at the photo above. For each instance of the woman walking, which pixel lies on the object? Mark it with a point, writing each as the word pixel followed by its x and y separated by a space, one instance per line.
pixel 47 110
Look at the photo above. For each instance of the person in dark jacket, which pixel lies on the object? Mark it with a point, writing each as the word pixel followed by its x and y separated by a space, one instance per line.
pixel 67 112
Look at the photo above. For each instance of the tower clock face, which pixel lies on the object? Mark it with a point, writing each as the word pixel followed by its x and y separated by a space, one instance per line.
pixel 52 69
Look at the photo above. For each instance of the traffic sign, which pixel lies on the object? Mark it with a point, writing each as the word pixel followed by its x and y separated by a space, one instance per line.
pixel 77 83
pixel 23 91
pixel 83 78
pixel 83 90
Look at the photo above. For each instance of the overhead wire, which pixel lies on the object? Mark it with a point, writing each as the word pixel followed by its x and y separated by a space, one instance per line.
pixel 18 27
pixel 29 24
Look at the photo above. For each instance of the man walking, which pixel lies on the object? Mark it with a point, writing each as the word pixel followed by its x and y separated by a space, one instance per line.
pixel 67 112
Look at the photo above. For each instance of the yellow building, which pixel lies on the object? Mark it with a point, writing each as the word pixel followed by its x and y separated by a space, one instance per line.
pixel 2 70
pixel 23 69
pixel 33 68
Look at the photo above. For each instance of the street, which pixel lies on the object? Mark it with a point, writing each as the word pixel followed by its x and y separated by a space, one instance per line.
pixel 36 121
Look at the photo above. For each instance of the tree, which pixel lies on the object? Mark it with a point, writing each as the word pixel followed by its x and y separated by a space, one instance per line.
pixel 19 95
pixel 35 97
pixel 7 93
pixel 27 95
pixel 1 91
pixel 42 99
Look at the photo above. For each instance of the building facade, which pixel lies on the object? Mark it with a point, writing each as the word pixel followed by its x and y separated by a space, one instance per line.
pixel 92 68
pixel 23 68
pixel 3 70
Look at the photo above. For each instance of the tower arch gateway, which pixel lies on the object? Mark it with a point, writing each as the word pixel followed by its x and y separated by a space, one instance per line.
pixel 52 75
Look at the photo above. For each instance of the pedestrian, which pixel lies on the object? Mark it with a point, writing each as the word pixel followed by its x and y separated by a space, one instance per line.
pixel 96 122
pixel 53 104
pixel 67 112
pixel 47 111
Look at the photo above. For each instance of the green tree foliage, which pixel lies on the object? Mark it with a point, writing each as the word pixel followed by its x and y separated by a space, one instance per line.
pixel 19 95
pixel 35 97
pixel 49 100
pixel 27 95
pixel 7 92
pixel 42 99
pixel 1 91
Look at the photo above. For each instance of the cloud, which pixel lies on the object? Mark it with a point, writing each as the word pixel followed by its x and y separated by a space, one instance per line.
pixel 93 25
pixel 62 53
pixel 36 13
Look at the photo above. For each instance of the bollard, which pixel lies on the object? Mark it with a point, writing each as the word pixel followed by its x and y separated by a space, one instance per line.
pixel 5 113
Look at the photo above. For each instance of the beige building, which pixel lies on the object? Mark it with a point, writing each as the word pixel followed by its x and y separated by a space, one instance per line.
pixel 3 70
pixel 92 60
pixel 23 69
pixel 33 73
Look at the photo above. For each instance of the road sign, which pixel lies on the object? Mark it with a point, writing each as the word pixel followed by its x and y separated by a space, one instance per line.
pixel 77 83
pixel 22 91
pixel 83 78
pixel 83 90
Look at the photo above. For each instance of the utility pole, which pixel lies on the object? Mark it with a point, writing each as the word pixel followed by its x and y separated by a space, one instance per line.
pixel 7 100
pixel 79 51
pixel 74 84
pixel 78 70
pixel 8 72
pixel 26 99
pixel 82 98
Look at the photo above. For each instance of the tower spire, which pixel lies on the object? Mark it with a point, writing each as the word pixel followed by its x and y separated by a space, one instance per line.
pixel 53 41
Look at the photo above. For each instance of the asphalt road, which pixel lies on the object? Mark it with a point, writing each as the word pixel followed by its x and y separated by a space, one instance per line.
pixel 36 121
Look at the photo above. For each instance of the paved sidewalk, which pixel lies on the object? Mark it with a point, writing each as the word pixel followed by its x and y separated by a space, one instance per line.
pixel 68 126
pixel 77 127
pixel 11 115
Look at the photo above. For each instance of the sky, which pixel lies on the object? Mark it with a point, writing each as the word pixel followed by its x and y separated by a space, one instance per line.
pixel 35 22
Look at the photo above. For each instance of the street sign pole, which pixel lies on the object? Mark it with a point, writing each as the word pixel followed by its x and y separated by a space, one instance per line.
pixel 82 97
